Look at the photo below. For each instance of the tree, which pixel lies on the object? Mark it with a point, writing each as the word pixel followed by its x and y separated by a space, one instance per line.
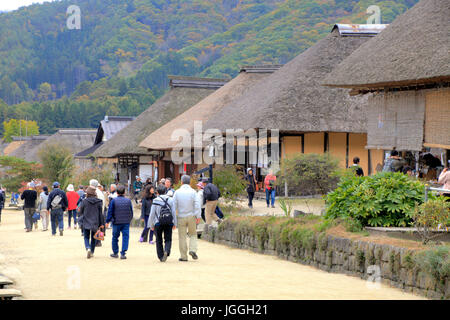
pixel 16 171
pixel 58 165
pixel 45 92
pixel 15 127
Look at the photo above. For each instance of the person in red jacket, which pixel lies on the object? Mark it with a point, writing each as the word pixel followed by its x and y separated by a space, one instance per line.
pixel 269 186
pixel 72 198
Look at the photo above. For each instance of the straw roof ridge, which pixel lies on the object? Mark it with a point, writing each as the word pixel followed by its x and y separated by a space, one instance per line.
pixel 170 105
pixel 292 99
pixel 160 139
pixel 414 49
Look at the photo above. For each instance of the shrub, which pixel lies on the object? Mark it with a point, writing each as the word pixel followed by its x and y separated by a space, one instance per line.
pixel 385 199
pixel 309 174
pixel 435 262
pixel 429 216
pixel 230 181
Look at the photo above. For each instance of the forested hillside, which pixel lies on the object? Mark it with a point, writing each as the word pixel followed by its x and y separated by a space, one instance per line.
pixel 118 62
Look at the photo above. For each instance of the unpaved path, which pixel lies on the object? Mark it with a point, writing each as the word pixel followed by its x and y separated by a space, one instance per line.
pixel 46 267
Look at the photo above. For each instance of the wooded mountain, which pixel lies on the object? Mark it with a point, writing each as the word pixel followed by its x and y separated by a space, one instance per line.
pixel 118 62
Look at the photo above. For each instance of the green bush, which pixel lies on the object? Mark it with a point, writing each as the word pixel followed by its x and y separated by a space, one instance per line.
pixel 230 181
pixel 309 174
pixel 385 199
pixel 431 215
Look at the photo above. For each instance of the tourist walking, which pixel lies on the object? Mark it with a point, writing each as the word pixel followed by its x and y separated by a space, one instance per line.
pixel 162 221
pixel 200 199
pixel 100 195
pixel 72 198
pixel 169 190
pixel 81 192
pixel 251 186
pixel 120 213
pixel 137 187
pixel 91 219
pixel 186 204
pixel 42 208
pixel 269 186
pixel 2 202
pixel 357 168
pixel 444 179
pixel 57 203
pixel 211 195
pixel 29 196
pixel 147 200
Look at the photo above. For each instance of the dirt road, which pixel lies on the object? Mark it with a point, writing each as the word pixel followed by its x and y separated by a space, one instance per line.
pixel 47 267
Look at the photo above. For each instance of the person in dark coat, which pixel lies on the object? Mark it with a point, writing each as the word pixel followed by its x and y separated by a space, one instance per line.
pixel 57 203
pixel 120 213
pixel 29 207
pixel 91 219
pixel 251 186
pixel 2 202
pixel 147 200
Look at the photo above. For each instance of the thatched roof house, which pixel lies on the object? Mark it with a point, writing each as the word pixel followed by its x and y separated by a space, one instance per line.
pixel 184 92
pixel 160 139
pixel 310 117
pixel 414 50
pixel 123 149
pixel 24 151
pixel 73 139
pixel 407 67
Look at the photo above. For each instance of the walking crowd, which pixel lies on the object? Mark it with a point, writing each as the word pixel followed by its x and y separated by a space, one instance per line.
pixel 93 211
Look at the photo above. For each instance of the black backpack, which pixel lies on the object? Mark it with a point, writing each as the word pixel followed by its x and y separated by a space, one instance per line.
pixel 165 214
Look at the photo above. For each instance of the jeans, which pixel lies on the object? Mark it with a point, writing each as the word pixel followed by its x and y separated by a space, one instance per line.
pixel 56 217
pixel 125 230
pixel 70 214
pixel 89 241
pixel 166 233
pixel 270 194
pixel 29 217
pixel 144 234
pixel 250 198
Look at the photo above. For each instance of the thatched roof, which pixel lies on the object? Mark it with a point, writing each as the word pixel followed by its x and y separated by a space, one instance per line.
pixel 74 139
pixel 184 92
pixel 161 139
pixel 292 100
pixel 109 126
pixel 25 149
pixel 413 50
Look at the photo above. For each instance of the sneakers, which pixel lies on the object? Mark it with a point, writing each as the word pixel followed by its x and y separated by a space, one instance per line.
pixel 89 253
pixel 141 239
pixel 123 257
pixel 61 233
pixel 273 206
pixel 114 255
pixel 183 260
pixel 152 242
pixel 193 255
pixel 164 258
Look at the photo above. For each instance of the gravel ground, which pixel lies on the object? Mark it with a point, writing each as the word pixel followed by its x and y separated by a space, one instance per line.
pixel 47 267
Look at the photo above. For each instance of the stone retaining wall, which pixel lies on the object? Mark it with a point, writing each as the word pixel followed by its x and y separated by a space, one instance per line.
pixel 341 255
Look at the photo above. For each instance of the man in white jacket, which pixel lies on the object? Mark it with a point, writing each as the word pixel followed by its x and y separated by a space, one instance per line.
pixel 188 207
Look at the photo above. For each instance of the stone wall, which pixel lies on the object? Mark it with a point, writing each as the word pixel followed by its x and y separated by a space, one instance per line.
pixel 341 255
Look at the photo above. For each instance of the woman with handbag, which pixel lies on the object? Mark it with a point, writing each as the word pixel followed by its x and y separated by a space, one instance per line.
pixel 91 219
pixel 42 208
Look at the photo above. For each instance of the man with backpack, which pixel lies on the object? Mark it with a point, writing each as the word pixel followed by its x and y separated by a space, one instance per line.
pixel 211 195
pixel 162 220
pixel 57 203
pixel 187 205
pixel 120 213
